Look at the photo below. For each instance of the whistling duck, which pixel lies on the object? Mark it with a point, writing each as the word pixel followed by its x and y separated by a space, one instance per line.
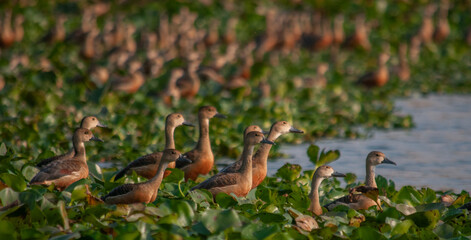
pixel 56 34
pixel 239 182
pixel 414 50
pixel 145 192
pixel 212 35
pixel 189 84
pixel 359 39
pixel 7 36
pixel 130 83
pixel 403 70
pixel 259 162
pixel 360 201
pixel 88 122
pixel 443 27
pixel 318 81
pixel 201 156
pixel 230 34
pixel 172 93
pixel 64 172
pixel 323 172
pixel 88 50
pixel 147 165
pixel 427 29
pixel 19 31
pixel 379 77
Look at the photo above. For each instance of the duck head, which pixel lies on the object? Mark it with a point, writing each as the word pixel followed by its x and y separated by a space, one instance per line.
pixel 210 112
pixel 376 157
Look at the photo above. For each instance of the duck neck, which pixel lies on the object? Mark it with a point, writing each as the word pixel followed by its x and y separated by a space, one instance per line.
pixel 79 148
pixel 203 143
pixel 246 168
pixel 157 179
pixel 315 205
pixel 261 156
pixel 370 175
pixel 169 139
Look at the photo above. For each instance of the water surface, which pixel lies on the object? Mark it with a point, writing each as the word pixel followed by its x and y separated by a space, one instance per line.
pixel 436 153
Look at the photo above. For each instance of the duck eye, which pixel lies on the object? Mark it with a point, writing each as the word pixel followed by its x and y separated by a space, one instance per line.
pixel 173 152
pixel 87 133
pixel 93 119
pixel 377 155
pixel 284 122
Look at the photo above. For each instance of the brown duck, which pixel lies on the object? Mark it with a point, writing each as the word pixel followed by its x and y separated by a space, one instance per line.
pixel 88 122
pixel 145 192
pixel 66 171
pixel 240 182
pixel 360 201
pixel 147 165
pixel 259 162
pixel 201 156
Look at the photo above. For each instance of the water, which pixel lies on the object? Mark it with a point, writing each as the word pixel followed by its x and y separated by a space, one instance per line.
pixel 436 153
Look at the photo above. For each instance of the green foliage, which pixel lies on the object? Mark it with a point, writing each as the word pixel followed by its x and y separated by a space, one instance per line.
pixel 322 158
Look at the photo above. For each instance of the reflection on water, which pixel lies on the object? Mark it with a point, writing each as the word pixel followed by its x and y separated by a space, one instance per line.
pixel 436 153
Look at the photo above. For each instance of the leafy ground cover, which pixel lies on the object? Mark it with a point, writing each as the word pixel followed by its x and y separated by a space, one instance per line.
pixel 40 105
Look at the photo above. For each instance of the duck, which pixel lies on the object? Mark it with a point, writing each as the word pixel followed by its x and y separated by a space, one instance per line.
pixel 259 161
pixel 7 35
pixel 88 122
pixel 360 201
pixel 376 78
pixel 66 171
pixel 306 222
pixel 359 39
pixel 57 33
pixel 145 192
pixel 147 165
pixel 427 29
pixel 202 159
pixel 321 173
pixel 443 27
pixel 240 182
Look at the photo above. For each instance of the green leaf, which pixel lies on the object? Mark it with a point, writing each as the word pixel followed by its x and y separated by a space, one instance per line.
pixel 259 231
pixel 225 201
pixel 269 218
pixel 30 197
pixel 7 230
pixel 426 219
pixel 444 231
pixel 175 176
pixel 313 153
pixel 408 195
pixel 289 172
pixel 402 227
pixel 181 209
pixel 367 233
pixel 8 195
pixel 217 221
pixel 16 182
pixel 3 149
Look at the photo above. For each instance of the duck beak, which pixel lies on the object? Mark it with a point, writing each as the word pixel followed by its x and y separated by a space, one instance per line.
pixel 386 160
pixel 101 125
pixel 219 115
pixel 188 124
pixel 96 139
pixel 295 130
pixel 184 159
pixel 337 174
pixel 267 141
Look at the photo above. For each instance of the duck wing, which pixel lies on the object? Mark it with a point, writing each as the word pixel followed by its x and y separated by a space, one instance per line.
pixel 234 167
pixel 58 169
pixel 120 190
pixel 44 162
pixel 351 198
pixel 218 180
pixel 149 159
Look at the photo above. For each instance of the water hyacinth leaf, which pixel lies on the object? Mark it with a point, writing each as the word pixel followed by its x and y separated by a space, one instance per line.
pixel 30 197
pixel 444 231
pixel 201 195
pixel 402 227
pixel 289 172
pixel 269 218
pixel 258 231
pixel 175 176
pixel 405 209
pixel 217 221
pixel 181 209
pixel 7 230
pixel 29 172
pixel 367 233
pixel 173 229
pixel 313 153
pixel 408 195
pixel 8 195
pixel 16 182
pixel 350 178
pixel 328 157
pixel 225 201
pixel 95 171
pixel 426 219
pixel 79 193
pixel 431 206
pixel 3 149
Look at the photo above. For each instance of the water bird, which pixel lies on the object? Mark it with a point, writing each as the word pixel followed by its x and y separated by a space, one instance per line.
pixel 259 161
pixel 360 201
pixel 202 159
pixel 147 165
pixel 66 171
pixel 145 192
pixel 305 222
pixel 376 78
pixel 88 122
pixel 239 182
